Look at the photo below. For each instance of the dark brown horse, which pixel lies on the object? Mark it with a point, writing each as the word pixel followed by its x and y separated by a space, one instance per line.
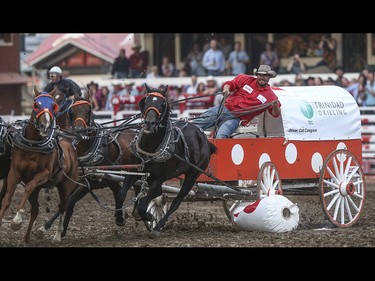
pixel 99 146
pixel 40 160
pixel 5 154
pixel 168 150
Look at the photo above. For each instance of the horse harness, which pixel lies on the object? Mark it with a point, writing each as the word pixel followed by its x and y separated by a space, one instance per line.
pixel 163 152
pixel 98 152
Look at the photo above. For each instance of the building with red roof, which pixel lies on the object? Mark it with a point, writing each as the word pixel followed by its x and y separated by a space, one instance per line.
pixel 81 53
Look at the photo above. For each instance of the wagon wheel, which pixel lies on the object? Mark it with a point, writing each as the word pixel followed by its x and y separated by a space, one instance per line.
pixel 268 181
pixel 157 207
pixel 342 188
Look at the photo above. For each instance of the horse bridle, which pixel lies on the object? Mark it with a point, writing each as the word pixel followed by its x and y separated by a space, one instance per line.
pixel 80 119
pixel 47 107
pixel 142 102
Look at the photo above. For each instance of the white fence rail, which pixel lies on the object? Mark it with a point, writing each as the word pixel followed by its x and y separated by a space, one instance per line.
pixel 367 116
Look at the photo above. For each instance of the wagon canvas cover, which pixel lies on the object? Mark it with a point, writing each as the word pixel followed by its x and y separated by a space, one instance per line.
pixel 318 113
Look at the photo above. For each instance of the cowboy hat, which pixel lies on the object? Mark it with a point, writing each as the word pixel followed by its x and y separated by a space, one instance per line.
pixel 265 69
pixel 129 83
pixel 210 78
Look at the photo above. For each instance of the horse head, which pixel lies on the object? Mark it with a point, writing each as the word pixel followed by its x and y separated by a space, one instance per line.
pixel 44 109
pixel 154 108
pixel 80 113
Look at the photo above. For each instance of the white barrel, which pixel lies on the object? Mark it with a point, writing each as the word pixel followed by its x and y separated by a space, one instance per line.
pixel 274 213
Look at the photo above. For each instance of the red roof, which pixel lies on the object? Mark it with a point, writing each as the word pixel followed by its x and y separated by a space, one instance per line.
pixel 102 45
pixel 10 78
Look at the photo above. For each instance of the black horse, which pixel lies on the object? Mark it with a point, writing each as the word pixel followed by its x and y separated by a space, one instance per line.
pixel 5 155
pixel 168 150
pixel 99 147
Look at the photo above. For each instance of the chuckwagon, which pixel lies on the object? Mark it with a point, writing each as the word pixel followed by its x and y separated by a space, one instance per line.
pixel 314 147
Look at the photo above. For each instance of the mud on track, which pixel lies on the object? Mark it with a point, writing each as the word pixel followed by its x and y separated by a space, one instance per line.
pixel 194 224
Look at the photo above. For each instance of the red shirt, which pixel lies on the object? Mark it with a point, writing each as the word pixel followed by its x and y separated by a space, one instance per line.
pixel 247 95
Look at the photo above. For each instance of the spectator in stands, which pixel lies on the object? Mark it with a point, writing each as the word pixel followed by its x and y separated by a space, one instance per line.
pixel 298 80
pixel 313 49
pixel 120 67
pixel 225 46
pixel 238 59
pixel 327 46
pixel 212 86
pixel 101 98
pixel 153 73
pixel 310 81
pixel 114 96
pixel 339 71
pixel 93 92
pixel 296 65
pixel 130 89
pixel 138 62
pixel 214 59
pixel 168 69
pixel 201 88
pixel 370 89
pixel 269 57
pixel 194 59
pixel 66 85
pixel 360 96
pixel 318 81
pixel 192 88
pixel 244 92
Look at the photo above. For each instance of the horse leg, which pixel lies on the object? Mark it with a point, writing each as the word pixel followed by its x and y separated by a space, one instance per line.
pixel 153 192
pixel 41 230
pixel 34 211
pixel 60 227
pixel 39 179
pixel 137 189
pixel 176 202
pixel 115 188
pixel 12 182
pixel 3 190
pixel 127 184
pixel 77 195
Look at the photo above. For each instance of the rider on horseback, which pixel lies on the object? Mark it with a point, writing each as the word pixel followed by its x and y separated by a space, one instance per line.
pixel 68 86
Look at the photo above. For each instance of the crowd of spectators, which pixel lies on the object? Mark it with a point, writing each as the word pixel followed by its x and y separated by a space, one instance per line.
pixel 201 95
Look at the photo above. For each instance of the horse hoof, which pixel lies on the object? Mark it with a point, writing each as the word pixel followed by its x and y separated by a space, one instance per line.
pixel 56 239
pixel 154 234
pixel 136 216
pixel 39 233
pixel 15 226
pixel 148 217
pixel 120 222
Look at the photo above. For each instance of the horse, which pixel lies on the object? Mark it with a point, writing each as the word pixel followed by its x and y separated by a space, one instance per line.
pixel 40 160
pixel 99 146
pixel 5 154
pixel 168 150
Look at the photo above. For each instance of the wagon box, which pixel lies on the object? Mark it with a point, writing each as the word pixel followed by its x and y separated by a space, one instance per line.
pixel 314 122
pixel 314 144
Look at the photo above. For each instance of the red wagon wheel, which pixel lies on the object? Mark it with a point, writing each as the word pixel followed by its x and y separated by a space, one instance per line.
pixel 268 181
pixel 342 188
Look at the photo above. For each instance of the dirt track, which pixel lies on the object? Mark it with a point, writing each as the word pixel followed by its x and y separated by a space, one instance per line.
pixel 195 224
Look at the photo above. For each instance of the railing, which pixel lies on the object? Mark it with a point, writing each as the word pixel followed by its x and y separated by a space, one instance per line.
pixel 367 117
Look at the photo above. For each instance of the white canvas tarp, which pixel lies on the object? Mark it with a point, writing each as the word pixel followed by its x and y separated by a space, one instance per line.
pixel 318 113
